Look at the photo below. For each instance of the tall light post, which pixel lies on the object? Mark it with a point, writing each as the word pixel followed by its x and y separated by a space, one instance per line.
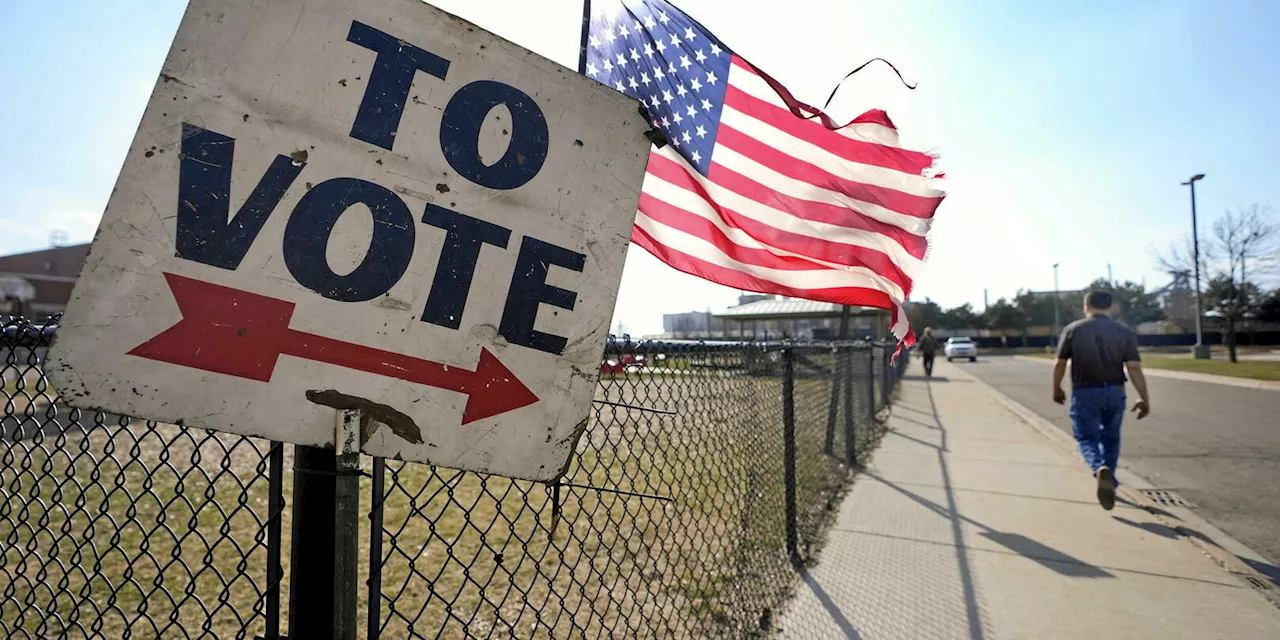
pixel 1201 350
pixel 1057 319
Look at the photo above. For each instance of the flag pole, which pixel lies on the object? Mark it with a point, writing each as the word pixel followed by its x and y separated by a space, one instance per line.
pixel 586 29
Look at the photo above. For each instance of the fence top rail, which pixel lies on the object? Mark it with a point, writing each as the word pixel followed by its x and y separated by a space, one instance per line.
pixel 17 331
pixel 626 345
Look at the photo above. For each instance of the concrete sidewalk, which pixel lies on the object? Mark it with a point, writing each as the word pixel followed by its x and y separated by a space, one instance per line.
pixel 971 524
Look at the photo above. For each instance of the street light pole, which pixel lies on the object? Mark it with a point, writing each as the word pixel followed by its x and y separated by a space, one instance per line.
pixel 1057 319
pixel 1201 350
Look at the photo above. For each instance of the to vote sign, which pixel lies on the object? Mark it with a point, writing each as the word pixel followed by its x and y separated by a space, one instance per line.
pixel 361 205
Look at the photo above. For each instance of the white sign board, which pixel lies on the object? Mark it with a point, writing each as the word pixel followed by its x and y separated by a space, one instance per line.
pixel 361 204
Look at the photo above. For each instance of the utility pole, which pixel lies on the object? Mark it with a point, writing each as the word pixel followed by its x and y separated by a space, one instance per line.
pixel 1201 350
pixel 1110 281
pixel 985 304
pixel 1057 318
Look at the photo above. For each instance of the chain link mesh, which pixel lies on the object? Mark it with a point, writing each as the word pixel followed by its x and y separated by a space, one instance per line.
pixel 670 522
pixel 115 528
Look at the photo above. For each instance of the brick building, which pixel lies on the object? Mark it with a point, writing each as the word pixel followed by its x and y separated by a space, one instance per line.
pixel 38 284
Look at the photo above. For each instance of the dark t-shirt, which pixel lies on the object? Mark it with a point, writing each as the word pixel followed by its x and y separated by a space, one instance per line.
pixel 928 345
pixel 1098 347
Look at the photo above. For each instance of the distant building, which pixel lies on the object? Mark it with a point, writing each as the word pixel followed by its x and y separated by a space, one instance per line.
pixel 1178 299
pixel 777 318
pixel 37 284
pixel 690 325
pixel 767 317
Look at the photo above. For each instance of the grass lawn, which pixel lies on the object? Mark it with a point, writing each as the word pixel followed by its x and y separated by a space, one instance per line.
pixel 1255 369
pixel 148 530
pixel 1219 366
pixel 101 526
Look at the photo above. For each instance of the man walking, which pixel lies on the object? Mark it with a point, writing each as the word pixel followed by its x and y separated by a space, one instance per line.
pixel 928 349
pixel 1100 350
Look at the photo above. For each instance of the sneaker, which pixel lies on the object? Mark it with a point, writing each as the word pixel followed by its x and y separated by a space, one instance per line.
pixel 1106 488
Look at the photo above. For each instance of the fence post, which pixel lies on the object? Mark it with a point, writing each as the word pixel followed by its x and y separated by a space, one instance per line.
pixel 833 407
pixel 346 526
pixel 789 451
pixel 886 384
pixel 871 382
pixel 311 576
pixel 275 513
pixel 846 384
pixel 379 492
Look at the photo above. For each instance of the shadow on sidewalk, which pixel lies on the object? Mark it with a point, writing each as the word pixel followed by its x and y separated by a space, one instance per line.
pixel 1020 544
pixel 917 422
pixel 1271 571
pixel 1047 556
pixel 1268 571
pixel 1151 527
pixel 832 608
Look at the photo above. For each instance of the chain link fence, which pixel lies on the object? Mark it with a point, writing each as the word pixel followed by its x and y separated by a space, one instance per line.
pixel 708 472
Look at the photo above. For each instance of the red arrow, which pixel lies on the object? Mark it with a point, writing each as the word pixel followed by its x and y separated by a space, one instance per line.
pixel 242 334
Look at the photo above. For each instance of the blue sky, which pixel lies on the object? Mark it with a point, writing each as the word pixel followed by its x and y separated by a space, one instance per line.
pixel 1064 128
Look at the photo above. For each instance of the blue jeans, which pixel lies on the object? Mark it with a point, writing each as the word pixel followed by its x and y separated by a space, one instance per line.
pixel 1096 414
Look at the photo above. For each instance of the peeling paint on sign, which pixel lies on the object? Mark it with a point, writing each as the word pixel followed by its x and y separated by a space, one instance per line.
pixel 336 205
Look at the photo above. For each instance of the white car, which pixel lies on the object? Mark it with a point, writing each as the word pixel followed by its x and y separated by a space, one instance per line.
pixel 961 348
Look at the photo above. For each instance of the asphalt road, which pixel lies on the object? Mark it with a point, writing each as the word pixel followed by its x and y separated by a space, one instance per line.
pixel 1216 445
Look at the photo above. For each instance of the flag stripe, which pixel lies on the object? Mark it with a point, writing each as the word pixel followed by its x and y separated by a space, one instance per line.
pixel 876 116
pixel 704 229
pixel 819 277
pixel 872 126
pixel 741 246
pixel 669 181
pixel 851 149
pixel 738 279
pixel 744 176
pixel 856 296
pixel 781 95
pixel 815 220
pixel 797 169
pixel 755 122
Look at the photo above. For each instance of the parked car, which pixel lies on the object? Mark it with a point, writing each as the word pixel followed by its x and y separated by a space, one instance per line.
pixel 620 364
pixel 960 348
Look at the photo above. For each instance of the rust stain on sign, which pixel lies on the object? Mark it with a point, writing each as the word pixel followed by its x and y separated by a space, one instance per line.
pixel 399 423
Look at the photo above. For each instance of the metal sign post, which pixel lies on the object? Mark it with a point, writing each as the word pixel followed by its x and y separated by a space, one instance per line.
pixel 346 526
pixel 312 579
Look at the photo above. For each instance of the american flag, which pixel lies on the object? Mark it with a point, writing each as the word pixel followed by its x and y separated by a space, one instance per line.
pixel 756 190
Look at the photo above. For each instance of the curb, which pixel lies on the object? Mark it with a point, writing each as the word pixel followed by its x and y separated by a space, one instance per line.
pixel 1151 372
pixel 1216 544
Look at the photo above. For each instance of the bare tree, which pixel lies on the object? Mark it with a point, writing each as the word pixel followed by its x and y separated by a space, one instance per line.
pixel 1239 238
pixel 1179 257
pixel 1244 242
pixel 1248 236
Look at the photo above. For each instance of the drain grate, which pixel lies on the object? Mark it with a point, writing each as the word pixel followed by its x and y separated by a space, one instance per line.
pixel 1259 583
pixel 1167 498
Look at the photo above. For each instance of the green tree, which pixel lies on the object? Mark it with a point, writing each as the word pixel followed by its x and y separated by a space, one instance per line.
pixel 1269 307
pixel 1233 302
pixel 1133 305
pixel 925 314
pixel 961 317
pixel 1038 308
pixel 1005 316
